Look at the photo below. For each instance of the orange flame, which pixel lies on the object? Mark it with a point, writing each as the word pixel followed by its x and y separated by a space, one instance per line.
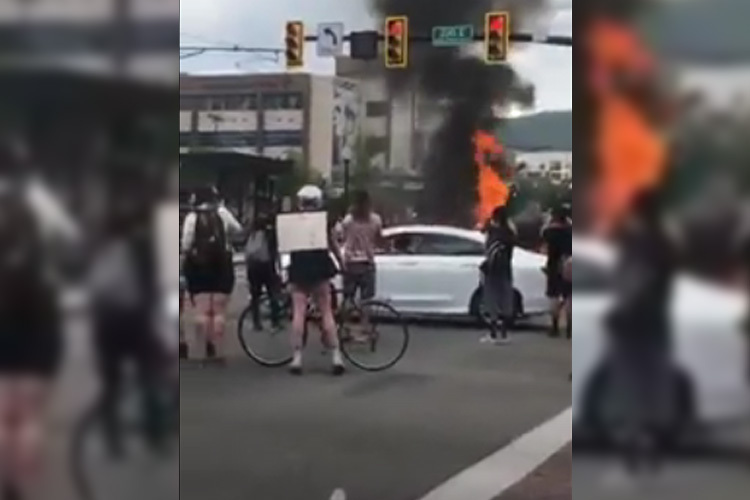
pixel 629 152
pixel 493 192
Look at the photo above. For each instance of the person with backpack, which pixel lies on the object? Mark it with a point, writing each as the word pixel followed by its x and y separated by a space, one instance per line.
pixel 497 273
pixel 209 269
pixel 31 341
pixel 262 261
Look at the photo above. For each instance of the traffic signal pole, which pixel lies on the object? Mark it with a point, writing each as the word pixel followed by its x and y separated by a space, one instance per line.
pixel 559 40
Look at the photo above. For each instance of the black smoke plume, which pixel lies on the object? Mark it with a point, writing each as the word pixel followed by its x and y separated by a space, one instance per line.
pixel 465 86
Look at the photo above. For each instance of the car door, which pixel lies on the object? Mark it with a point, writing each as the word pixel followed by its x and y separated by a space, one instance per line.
pixel 398 272
pixel 448 271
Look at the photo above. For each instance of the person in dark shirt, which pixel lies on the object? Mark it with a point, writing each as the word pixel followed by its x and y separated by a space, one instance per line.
pixel 262 261
pixel 558 239
pixel 640 332
pixel 497 272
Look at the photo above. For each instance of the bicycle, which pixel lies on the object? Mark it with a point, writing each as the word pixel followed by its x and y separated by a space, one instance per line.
pixel 83 450
pixel 357 324
pixel 163 398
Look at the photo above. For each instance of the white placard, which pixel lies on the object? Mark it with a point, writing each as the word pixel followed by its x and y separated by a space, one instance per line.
pixel 330 39
pixel 167 239
pixel 302 231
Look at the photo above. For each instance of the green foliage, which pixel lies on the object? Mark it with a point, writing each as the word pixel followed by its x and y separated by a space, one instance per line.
pixel 548 194
pixel 301 174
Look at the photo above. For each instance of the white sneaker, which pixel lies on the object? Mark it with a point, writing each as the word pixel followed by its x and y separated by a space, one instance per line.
pixel 487 339
pixel 338 362
pixel 296 365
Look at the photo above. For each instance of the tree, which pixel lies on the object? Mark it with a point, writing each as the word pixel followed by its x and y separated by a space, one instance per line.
pixel 300 175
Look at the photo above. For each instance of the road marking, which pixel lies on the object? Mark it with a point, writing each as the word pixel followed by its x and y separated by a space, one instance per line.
pixel 491 476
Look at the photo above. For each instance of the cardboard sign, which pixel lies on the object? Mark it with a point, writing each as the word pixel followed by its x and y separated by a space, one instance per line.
pixel 302 231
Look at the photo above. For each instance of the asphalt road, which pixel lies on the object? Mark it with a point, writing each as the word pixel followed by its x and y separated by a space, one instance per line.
pixel 716 469
pixel 141 475
pixel 249 432
pixel 253 432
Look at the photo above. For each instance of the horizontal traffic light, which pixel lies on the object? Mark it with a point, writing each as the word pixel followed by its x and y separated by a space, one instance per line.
pixel 396 42
pixel 496 36
pixel 295 44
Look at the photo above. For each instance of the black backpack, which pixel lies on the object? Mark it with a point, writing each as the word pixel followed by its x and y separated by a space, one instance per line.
pixel 21 260
pixel 210 244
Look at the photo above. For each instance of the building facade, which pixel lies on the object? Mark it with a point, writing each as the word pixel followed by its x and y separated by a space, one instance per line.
pixel 555 166
pixel 395 129
pixel 282 116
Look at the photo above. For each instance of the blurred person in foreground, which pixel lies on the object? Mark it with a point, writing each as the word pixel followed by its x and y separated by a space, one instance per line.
pixel 262 261
pixel 640 329
pixel 125 297
pixel 31 342
pixel 497 272
pixel 310 274
pixel 209 268
pixel 558 240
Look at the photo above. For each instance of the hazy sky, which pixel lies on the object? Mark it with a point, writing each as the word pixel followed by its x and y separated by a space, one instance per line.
pixel 259 23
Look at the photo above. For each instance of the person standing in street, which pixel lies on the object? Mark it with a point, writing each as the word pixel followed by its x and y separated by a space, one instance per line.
pixel 262 261
pixel 310 274
pixel 497 272
pixel 640 330
pixel 558 240
pixel 209 268
pixel 362 231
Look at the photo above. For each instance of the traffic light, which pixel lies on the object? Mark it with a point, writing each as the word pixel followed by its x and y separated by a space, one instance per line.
pixel 496 32
pixel 396 42
pixel 295 44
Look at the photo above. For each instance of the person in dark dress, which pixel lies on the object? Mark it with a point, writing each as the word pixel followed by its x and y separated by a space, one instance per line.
pixel 558 239
pixel 640 330
pixel 310 274
pixel 497 270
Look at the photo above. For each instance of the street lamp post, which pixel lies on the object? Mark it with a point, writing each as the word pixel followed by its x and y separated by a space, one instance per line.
pixel 347 178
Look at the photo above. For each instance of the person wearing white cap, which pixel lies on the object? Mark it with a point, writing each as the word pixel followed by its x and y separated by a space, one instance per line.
pixel 310 273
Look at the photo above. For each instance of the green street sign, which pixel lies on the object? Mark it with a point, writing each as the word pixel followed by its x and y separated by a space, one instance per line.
pixel 452 36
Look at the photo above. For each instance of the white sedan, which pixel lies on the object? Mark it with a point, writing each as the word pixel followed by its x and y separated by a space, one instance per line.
pixel 434 270
pixel 426 270
pixel 710 357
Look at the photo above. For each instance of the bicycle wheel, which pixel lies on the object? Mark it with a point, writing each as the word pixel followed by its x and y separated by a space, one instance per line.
pixel 78 473
pixel 98 473
pixel 268 346
pixel 373 335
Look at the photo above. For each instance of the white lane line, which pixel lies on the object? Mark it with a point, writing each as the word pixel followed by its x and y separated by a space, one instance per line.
pixel 490 477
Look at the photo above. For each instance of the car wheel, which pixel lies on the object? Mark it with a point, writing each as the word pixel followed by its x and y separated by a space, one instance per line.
pixel 601 411
pixel 478 311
